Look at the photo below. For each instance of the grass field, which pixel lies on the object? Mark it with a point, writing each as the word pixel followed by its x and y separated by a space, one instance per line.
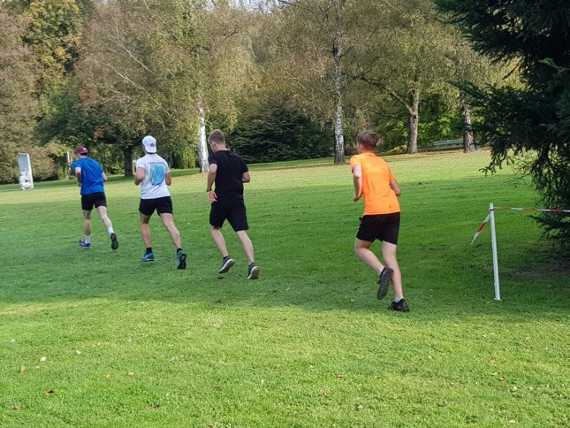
pixel 94 338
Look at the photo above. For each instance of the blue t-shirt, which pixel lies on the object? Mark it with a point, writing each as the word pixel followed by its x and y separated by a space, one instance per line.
pixel 91 175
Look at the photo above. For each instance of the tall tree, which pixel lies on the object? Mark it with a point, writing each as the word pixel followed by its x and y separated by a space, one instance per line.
pixel 18 106
pixel 401 50
pixel 53 34
pixel 533 118
pixel 225 67
pixel 314 43
pixel 133 82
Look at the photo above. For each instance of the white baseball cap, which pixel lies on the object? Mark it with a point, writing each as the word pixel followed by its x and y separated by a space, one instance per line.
pixel 149 143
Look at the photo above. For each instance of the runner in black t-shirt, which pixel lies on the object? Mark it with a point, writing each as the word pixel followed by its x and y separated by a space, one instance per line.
pixel 228 171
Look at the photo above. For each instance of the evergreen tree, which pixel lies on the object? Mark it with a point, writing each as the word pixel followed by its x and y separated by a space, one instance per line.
pixel 276 131
pixel 536 117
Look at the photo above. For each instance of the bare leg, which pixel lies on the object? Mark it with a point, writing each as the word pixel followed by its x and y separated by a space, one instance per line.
pixel 168 221
pixel 105 219
pixel 219 241
pixel 362 250
pixel 145 230
pixel 247 245
pixel 87 223
pixel 389 255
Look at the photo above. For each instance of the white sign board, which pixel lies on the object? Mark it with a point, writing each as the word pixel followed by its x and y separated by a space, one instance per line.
pixel 26 177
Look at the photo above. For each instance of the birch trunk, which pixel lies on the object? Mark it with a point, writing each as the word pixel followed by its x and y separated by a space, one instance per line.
pixel 468 138
pixel 413 121
pixel 338 123
pixel 202 143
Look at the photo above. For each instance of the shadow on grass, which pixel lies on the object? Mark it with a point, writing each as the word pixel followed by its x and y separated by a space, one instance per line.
pixel 305 249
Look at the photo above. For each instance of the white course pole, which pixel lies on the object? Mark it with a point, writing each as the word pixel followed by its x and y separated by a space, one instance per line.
pixel 495 252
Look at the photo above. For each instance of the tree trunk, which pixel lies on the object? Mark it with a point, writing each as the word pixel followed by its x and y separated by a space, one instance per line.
pixel 468 139
pixel 128 161
pixel 202 144
pixel 413 121
pixel 338 123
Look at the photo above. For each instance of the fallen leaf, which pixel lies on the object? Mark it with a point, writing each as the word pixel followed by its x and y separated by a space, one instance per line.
pixel 23 370
pixel 49 392
pixel 43 359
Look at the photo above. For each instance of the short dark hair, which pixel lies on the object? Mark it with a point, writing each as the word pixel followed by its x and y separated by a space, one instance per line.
pixel 369 139
pixel 217 137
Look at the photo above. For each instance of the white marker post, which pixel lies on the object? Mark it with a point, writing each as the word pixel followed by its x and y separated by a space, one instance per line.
pixel 495 252
pixel 26 177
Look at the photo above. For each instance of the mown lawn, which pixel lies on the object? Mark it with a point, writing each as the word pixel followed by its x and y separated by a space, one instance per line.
pixel 95 338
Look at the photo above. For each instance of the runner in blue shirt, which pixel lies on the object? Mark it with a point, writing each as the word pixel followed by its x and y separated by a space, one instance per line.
pixel 91 178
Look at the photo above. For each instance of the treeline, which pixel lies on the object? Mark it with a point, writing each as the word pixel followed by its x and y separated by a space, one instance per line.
pixel 286 79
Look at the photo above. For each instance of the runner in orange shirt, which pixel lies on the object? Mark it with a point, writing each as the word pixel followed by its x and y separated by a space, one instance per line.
pixel 374 181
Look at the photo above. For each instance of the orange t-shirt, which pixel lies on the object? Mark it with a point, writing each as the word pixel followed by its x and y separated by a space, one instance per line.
pixel 379 198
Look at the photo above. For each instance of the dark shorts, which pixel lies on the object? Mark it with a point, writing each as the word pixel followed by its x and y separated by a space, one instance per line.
pixel 93 200
pixel 231 209
pixel 160 205
pixel 384 227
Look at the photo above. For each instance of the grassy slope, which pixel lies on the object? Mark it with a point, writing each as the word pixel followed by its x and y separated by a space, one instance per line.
pixel 308 344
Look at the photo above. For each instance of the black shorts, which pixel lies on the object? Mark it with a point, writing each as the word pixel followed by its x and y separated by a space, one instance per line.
pixel 160 205
pixel 232 209
pixel 384 227
pixel 93 200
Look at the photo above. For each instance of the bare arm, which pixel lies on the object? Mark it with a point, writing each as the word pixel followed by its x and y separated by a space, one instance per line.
pixel 245 178
pixel 139 176
pixel 357 181
pixel 78 175
pixel 212 197
pixel 168 178
pixel 105 177
pixel 395 186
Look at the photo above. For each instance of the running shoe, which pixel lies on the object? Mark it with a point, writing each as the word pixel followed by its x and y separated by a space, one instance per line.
pixel 253 271
pixel 227 264
pixel 181 259
pixel 84 244
pixel 148 257
pixel 383 282
pixel 114 241
pixel 401 306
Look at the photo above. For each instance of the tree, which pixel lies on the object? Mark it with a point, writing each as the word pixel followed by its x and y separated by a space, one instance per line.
pixel 53 33
pixel 133 82
pixel 272 129
pixel 401 50
pixel 531 118
pixel 225 67
pixel 471 66
pixel 313 43
pixel 18 105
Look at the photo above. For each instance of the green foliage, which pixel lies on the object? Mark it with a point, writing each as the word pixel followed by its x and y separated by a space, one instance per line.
pixel 18 106
pixel 48 162
pixel 53 33
pixel 534 117
pixel 275 130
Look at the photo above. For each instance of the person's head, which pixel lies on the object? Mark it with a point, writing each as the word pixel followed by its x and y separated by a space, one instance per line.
pixel 81 151
pixel 217 140
pixel 367 141
pixel 149 144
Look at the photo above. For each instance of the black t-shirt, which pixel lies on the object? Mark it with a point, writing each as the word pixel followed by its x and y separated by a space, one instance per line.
pixel 230 171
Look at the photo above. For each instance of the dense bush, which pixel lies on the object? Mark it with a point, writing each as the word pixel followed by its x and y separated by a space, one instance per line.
pixel 276 131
